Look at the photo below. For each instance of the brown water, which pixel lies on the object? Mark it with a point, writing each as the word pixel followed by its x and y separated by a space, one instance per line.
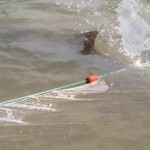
pixel 40 50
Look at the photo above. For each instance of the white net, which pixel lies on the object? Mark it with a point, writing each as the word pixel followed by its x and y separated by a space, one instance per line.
pixel 113 112
pixel 123 87
pixel 16 112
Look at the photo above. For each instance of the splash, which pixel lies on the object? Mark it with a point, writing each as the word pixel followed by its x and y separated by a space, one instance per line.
pixel 135 31
pixel 126 37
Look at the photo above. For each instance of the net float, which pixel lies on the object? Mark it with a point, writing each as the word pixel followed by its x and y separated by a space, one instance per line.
pixel 92 78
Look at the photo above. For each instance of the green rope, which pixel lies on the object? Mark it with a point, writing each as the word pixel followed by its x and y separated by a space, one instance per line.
pixel 63 87
pixel 40 93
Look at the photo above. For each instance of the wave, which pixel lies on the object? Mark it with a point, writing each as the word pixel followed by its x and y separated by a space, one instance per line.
pixel 130 36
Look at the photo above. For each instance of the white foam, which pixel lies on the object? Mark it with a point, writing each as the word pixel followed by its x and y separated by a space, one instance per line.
pixel 12 121
pixel 30 107
pixel 135 31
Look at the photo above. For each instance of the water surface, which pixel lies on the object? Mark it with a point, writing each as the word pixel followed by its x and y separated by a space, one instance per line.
pixel 40 48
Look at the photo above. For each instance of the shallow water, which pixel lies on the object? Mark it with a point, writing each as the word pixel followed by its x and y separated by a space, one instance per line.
pixel 40 48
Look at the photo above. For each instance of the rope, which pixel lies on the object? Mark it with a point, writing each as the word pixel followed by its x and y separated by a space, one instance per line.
pixel 40 93
pixel 64 87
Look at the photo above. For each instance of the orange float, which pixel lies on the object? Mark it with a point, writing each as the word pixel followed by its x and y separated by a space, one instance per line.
pixel 92 78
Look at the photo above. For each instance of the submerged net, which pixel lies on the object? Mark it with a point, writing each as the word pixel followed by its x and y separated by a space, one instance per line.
pixel 122 88
pixel 16 111
pixel 113 112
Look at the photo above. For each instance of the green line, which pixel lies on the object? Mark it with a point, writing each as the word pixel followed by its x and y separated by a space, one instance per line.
pixel 63 87
pixel 36 94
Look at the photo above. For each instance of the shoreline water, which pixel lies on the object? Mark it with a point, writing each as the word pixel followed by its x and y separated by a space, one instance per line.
pixel 40 50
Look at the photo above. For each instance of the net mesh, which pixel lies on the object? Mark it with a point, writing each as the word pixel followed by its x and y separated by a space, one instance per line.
pixel 110 113
pixel 16 112
pixel 121 95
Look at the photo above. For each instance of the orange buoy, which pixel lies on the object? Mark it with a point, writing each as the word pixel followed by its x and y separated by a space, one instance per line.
pixel 92 78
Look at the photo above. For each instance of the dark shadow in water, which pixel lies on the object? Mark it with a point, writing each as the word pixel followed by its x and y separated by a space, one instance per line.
pixel 89 39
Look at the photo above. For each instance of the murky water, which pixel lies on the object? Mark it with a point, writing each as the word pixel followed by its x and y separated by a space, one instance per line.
pixel 40 48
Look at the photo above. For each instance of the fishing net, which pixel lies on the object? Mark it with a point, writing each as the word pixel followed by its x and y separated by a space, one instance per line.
pixel 111 88
pixel 15 112
pixel 111 113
